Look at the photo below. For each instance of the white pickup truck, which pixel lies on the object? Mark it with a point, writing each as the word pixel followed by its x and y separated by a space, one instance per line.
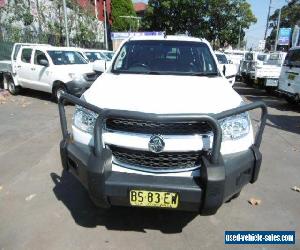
pixel 249 63
pixel 267 74
pixel 227 67
pixel 47 68
pixel 161 127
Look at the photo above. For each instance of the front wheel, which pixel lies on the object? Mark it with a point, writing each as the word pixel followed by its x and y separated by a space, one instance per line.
pixel 12 88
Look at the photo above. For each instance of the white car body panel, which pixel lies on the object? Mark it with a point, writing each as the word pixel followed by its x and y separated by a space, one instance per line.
pixel 163 94
pixel 289 80
pixel 30 75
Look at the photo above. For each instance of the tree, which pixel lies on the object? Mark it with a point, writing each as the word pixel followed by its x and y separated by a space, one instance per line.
pixel 122 8
pixel 218 21
pixel 290 16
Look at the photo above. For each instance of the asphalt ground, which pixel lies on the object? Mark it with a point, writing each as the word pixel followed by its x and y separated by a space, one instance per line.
pixel 42 207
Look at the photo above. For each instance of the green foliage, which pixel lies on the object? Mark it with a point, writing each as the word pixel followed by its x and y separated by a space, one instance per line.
pixel 48 26
pixel 123 8
pixel 215 20
pixel 290 16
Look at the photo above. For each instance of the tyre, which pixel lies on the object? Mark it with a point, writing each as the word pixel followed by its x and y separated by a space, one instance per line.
pixel 12 88
pixel 58 90
pixel 269 90
pixel 1 81
pixel 292 100
pixel 233 197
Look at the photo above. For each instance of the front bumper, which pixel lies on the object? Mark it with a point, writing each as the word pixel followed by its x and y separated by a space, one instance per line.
pixel 220 176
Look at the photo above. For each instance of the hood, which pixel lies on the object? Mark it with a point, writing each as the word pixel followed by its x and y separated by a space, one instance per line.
pixel 162 94
pixel 75 68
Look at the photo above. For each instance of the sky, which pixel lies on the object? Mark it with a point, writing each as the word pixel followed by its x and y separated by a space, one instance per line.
pixel 260 9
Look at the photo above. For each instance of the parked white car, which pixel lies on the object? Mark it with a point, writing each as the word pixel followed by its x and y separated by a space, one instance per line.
pixel 249 63
pixel 289 80
pixel 227 67
pixel 235 56
pixel 93 55
pixel 50 69
pixel 267 74
pixel 161 127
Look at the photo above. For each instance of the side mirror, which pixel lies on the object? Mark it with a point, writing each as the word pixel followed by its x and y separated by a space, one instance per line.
pixel 224 70
pixel 44 62
pixel 99 65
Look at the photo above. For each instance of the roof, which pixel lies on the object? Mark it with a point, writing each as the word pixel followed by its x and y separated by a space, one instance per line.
pixel 167 38
pixel 140 6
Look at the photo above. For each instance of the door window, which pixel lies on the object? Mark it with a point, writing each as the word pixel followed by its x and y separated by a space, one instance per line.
pixel 293 58
pixel 38 56
pixel 26 55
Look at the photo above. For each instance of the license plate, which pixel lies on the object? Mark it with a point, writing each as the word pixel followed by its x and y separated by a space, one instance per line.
pixel 292 77
pixel 144 198
pixel 272 82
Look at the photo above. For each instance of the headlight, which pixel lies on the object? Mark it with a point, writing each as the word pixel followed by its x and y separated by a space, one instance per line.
pixel 76 76
pixel 84 119
pixel 235 127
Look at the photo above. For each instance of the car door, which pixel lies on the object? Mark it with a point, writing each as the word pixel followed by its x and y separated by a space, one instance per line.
pixel 40 79
pixel 23 67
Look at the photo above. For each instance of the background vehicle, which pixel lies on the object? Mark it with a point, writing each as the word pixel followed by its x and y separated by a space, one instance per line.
pixel 8 67
pixel 268 73
pixel 93 55
pixel 235 56
pixel 248 64
pixel 289 80
pixel 161 127
pixel 49 69
pixel 227 67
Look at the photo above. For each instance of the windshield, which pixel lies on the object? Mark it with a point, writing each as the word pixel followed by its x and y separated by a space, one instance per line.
pixel 274 59
pixel 249 57
pixel 165 57
pixel 95 55
pixel 222 59
pixel 108 54
pixel 61 57
pixel 261 57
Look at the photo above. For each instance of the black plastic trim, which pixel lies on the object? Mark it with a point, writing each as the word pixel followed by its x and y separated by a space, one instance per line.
pixel 93 165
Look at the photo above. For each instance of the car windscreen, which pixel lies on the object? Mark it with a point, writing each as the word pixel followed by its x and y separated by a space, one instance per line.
pixel 61 57
pixel 249 57
pixel 292 58
pixel 261 57
pixel 222 59
pixel 93 56
pixel 274 59
pixel 165 57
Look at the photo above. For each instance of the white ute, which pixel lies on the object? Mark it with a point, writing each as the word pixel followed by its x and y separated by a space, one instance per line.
pixel 161 127
pixel 49 69
pixel 267 74
pixel 227 67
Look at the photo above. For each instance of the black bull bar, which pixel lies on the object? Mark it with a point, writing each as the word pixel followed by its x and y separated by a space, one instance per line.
pixel 213 170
